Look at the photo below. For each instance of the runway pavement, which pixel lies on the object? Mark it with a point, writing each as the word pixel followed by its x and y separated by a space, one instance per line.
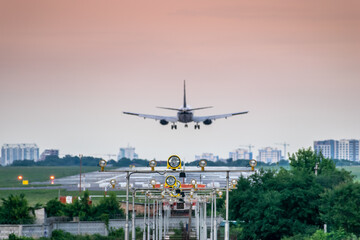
pixel 101 180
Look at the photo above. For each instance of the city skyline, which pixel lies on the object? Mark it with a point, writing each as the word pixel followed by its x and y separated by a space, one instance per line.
pixel 69 69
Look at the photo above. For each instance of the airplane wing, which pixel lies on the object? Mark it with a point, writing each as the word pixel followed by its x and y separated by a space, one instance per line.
pixel 155 117
pixel 214 117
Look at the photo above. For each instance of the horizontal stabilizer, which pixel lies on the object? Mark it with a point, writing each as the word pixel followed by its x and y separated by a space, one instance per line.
pixel 186 109
pixel 167 108
pixel 200 108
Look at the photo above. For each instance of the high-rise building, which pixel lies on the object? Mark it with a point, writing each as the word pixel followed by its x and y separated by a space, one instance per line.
pixel 328 148
pixel 240 153
pixel 128 152
pixel 207 156
pixel 346 149
pixel 349 149
pixel 13 152
pixel 269 155
pixel 48 152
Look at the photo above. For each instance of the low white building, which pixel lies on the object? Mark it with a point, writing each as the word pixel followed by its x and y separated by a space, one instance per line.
pixel 207 156
pixel 269 155
pixel 128 152
pixel 240 153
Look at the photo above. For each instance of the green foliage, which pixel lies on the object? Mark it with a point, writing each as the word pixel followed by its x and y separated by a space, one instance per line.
pixel 117 233
pixel 107 208
pixel 306 160
pixel 15 210
pixel 54 208
pixel 14 237
pixel 341 207
pixel 273 204
pixel 109 205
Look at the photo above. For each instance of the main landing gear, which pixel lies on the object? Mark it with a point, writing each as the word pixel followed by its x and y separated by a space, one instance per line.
pixel 197 126
pixel 173 126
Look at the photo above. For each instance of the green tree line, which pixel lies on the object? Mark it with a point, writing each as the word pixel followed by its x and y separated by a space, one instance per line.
pixel 296 203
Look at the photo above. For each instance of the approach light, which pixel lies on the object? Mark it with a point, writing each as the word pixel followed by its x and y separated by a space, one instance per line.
pixel 113 183
pixel 252 164
pixel 174 162
pixel 20 177
pixel 202 164
pixel 52 177
pixel 193 182
pixel 170 181
pixel 234 182
pixel 153 182
pixel 152 164
pixel 102 164
pixel 220 193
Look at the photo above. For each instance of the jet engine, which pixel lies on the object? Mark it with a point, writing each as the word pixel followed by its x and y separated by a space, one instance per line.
pixel 207 121
pixel 163 122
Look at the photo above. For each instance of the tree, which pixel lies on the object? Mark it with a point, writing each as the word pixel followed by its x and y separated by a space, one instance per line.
pixel 15 210
pixel 54 208
pixel 110 206
pixel 272 204
pixel 328 176
pixel 340 207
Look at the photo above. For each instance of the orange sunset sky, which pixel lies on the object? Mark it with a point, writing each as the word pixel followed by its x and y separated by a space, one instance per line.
pixel 68 69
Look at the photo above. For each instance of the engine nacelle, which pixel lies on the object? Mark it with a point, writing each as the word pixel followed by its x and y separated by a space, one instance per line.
pixel 207 122
pixel 163 122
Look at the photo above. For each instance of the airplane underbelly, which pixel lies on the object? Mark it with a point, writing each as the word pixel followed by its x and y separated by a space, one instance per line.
pixel 185 117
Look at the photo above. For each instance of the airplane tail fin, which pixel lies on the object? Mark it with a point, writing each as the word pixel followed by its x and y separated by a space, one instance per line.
pixel 184 95
pixel 184 104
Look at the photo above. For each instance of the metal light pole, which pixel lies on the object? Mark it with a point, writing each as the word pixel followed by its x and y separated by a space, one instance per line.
pixel 154 230
pixel 197 220
pixel 144 231
pixel 148 229
pixel 80 157
pixel 133 216
pixel 227 208
pixel 127 206
pixel 205 225
pixel 212 215
pixel 160 220
pixel 215 223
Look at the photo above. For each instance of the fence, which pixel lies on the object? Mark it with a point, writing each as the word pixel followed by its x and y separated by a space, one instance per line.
pixel 83 228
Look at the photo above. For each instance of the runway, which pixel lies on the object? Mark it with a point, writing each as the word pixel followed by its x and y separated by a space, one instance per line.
pixel 101 180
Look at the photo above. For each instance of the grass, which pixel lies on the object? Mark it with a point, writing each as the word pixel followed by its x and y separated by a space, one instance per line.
pixel 42 196
pixel 355 170
pixel 8 175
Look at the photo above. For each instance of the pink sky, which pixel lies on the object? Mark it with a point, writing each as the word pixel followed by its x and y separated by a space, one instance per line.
pixel 69 68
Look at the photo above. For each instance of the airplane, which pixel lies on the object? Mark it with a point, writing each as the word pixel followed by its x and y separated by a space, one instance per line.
pixel 185 115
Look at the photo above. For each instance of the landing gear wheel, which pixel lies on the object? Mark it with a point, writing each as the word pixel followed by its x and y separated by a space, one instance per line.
pixel 186 125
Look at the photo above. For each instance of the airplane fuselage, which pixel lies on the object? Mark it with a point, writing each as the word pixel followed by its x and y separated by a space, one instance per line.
pixel 185 116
